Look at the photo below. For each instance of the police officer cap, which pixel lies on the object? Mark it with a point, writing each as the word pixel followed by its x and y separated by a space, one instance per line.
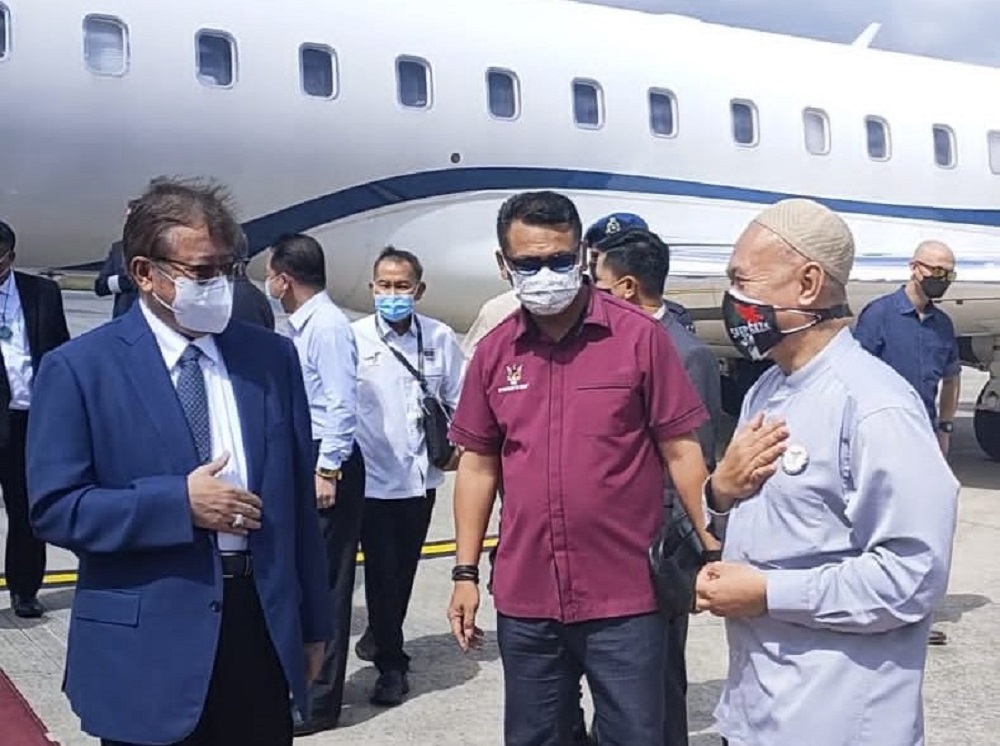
pixel 814 231
pixel 614 223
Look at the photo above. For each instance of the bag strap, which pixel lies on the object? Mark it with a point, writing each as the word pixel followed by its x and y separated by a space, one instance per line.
pixel 418 374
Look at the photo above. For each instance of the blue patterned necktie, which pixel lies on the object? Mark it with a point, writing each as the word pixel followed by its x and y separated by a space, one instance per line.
pixel 194 401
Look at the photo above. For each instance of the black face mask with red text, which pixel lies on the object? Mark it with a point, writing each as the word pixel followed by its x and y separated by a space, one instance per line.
pixel 752 326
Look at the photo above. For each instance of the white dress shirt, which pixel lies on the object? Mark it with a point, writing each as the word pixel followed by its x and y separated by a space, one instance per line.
pixel 390 429
pixel 16 351
pixel 324 341
pixel 223 415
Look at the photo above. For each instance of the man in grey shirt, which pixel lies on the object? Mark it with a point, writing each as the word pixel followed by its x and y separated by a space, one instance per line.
pixel 633 265
pixel 833 560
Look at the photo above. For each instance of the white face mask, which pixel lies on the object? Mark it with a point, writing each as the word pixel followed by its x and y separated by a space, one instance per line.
pixel 274 299
pixel 547 293
pixel 201 307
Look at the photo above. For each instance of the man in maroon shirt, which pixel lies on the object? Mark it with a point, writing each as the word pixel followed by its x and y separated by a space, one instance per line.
pixel 582 400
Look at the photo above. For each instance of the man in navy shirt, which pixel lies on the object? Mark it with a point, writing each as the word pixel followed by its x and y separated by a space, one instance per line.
pixel 908 331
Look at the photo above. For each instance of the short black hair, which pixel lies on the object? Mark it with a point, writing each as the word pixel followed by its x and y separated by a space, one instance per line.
pixel 7 238
pixel 641 254
pixel 300 257
pixel 548 209
pixel 168 203
pixel 392 254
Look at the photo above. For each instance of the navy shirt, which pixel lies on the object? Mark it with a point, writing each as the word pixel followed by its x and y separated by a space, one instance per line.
pixel 922 350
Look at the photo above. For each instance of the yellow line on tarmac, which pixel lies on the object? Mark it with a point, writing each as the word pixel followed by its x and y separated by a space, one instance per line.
pixel 430 550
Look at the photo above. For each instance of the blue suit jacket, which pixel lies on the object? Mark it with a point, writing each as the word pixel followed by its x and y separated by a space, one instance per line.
pixel 109 451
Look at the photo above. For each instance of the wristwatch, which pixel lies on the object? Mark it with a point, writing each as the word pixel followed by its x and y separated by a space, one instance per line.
pixel 946 427
pixel 328 473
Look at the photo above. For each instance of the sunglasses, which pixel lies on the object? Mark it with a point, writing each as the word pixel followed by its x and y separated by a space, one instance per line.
pixel 531 265
pixel 940 273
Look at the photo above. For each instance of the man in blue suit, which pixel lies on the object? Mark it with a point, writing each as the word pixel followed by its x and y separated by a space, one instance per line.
pixel 170 449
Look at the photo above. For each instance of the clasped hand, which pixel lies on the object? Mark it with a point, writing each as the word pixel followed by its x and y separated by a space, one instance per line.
pixel 729 589
pixel 215 504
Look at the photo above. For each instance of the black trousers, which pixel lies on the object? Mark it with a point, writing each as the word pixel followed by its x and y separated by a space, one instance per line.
pixel 675 684
pixel 392 535
pixel 341 527
pixel 25 555
pixel 247 703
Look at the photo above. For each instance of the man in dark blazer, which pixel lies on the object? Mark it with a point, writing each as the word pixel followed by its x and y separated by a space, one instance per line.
pixel 249 303
pixel 633 265
pixel 114 279
pixel 171 451
pixel 32 323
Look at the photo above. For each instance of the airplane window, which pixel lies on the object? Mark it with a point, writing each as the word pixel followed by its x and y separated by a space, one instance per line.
pixel 944 146
pixel 318 67
pixel 4 25
pixel 105 45
pixel 994 143
pixel 662 113
pixel 744 122
pixel 817 131
pixel 216 53
pixel 413 81
pixel 878 139
pixel 588 110
pixel 502 94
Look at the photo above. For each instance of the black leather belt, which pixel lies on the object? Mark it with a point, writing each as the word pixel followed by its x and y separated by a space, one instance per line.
pixel 236 564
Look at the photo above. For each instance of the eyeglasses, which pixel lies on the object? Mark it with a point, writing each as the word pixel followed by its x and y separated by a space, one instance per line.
pixel 204 272
pixel 939 273
pixel 530 265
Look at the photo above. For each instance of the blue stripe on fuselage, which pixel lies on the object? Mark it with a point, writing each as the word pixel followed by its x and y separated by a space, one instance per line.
pixel 396 190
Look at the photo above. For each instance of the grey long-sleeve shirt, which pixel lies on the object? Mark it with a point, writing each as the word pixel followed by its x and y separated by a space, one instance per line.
pixel 854 533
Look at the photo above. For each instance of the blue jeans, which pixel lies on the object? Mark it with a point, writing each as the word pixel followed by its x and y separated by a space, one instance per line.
pixel 543 660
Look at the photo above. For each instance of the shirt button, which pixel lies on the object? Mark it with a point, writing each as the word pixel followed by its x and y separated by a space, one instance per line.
pixel 215 606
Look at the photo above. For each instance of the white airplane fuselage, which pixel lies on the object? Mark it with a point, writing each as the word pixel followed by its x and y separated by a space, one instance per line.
pixel 359 170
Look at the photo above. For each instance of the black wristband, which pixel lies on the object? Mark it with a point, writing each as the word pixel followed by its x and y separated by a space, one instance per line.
pixel 465 572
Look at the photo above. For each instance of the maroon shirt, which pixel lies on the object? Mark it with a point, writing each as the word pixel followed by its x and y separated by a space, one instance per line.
pixel 576 424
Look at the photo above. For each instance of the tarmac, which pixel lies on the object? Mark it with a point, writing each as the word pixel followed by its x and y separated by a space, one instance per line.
pixel 456 699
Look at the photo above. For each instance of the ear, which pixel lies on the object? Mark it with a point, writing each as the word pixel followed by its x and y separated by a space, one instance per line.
pixel 810 284
pixel 630 287
pixel 502 265
pixel 371 287
pixel 141 269
pixel 420 291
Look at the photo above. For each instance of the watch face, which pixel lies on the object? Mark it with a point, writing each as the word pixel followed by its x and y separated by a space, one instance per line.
pixel 946 427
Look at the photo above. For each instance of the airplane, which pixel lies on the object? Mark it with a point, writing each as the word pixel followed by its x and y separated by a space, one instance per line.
pixel 407 123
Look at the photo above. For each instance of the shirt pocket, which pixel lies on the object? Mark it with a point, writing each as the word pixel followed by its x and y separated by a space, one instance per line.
pixel 609 405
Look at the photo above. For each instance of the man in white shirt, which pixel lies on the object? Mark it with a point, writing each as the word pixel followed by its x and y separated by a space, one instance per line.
pixel 400 480
pixel 32 323
pixel 296 282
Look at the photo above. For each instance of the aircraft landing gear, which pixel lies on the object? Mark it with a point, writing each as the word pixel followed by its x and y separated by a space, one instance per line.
pixel 986 419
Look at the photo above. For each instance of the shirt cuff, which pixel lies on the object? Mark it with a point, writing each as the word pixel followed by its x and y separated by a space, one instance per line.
pixel 329 461
pixel 113 285
pixel 686 423
pixel 474 443
pixel 787 591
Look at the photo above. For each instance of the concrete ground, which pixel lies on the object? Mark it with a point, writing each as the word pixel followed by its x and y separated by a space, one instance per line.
pixel 456 699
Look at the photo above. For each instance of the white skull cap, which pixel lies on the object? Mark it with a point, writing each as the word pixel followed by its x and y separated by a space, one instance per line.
pixel 814 231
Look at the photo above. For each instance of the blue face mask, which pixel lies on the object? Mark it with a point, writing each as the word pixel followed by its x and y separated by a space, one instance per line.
pixel 394 308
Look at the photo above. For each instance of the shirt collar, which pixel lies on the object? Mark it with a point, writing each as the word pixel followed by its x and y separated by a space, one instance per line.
pixel 660 312
pixel 385 331
pixel 596 314
pixel 8 286
pixel 304 312
pixel 905 306
pixel 812 370
pixel 172 343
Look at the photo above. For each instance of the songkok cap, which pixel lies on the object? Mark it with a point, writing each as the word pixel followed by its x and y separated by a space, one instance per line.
pixel 614 223
pixel 816 232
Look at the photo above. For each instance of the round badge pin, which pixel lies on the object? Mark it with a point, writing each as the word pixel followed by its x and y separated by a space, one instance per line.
pixel 5 333
pixel 795 460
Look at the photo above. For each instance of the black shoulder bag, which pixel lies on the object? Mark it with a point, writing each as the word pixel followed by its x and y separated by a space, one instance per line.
pixel 436 415
pixel 675 558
